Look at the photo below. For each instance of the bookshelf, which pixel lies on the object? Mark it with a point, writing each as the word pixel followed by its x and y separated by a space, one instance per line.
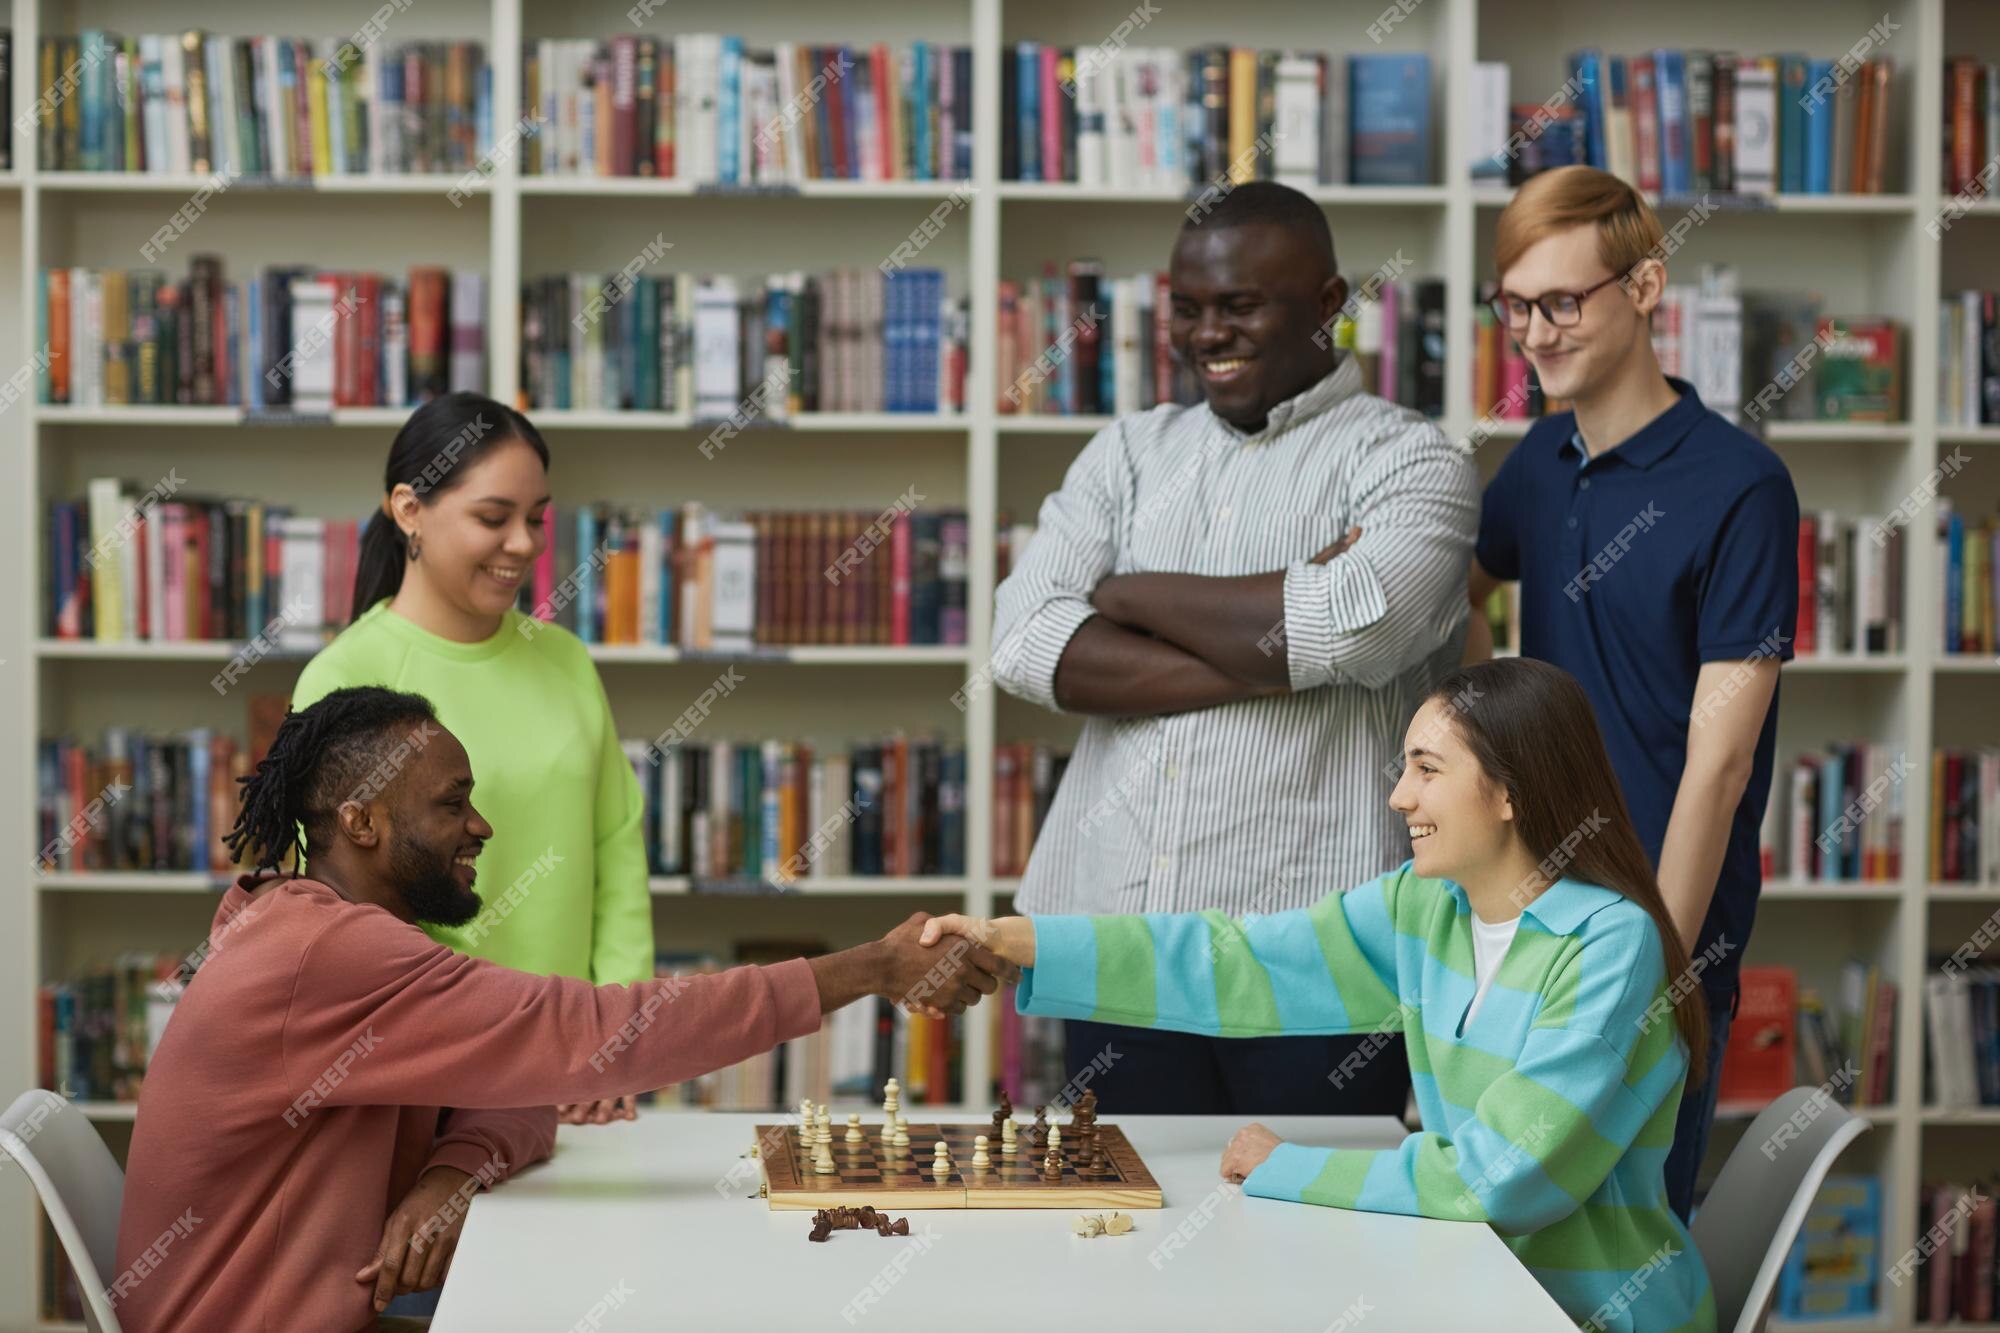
pixel 1864 253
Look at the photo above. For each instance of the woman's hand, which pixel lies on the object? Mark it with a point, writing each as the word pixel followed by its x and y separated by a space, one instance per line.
pixel 1246 1152
pixel 1012 937
pixel 598 1112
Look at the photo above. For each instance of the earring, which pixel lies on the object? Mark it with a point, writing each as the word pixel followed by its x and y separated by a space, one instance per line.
pixel 416 545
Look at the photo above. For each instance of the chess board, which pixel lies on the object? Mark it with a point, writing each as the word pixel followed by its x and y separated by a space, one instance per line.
pixel 874 1173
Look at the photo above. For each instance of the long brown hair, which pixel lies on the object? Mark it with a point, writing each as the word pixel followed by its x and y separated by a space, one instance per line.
pixel 1530 726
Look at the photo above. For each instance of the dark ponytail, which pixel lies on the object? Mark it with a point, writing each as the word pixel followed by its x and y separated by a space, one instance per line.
pixel 442 438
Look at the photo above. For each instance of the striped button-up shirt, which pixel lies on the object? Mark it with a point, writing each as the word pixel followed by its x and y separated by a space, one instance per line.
pixel 1263 804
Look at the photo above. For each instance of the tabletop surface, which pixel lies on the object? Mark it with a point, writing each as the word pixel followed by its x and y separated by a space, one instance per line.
pixel 654 1224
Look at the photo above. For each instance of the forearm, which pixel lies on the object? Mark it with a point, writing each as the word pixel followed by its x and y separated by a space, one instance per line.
pixel 849 975
pixel 1478 639
pixel 1696 839
pixel 1109 671
pixel 1234 624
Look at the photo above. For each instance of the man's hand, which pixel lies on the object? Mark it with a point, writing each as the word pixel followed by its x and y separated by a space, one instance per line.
pixel 598 1112
pixel 935 977
pixel 1353 536
pixel 1247 1149
pixel 1011 937
pixel 419 1238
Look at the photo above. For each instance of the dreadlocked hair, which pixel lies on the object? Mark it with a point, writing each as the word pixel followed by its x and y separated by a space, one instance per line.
pixel 346 747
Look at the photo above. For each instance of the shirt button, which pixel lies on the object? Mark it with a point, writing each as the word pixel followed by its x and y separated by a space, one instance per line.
pixel 1160 861
pixel 1223 514
pixel 1572 522
pixel 1584 484
pixel 1173 771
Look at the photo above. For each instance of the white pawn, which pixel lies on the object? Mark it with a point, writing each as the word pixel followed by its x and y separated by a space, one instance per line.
pixel 854 1128
pixel 1009 1137
pixel 941 1160
pixel 980 1158
pixel 901 1138
pixel 825 1122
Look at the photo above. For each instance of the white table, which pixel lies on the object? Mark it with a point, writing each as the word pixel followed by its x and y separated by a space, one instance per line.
pixel 646 1225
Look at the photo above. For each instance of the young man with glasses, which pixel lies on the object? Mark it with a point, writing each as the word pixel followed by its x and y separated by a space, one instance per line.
pixel 1656 546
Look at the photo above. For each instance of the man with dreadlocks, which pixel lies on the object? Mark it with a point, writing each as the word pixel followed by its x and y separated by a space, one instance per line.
pixel 335 1085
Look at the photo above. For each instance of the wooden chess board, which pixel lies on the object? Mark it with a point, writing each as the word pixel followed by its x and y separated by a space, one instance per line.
pixel 870 1172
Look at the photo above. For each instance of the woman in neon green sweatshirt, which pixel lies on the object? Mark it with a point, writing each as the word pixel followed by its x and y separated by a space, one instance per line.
pixel 564 877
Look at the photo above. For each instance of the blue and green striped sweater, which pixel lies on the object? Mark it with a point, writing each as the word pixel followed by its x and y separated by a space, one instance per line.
pixel 1549 1116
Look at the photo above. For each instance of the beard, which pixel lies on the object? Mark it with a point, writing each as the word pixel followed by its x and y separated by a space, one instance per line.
pixel 429 885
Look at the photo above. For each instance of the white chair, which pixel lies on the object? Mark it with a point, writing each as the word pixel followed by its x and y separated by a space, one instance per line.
pixel 81 1188
pixel 1746 1225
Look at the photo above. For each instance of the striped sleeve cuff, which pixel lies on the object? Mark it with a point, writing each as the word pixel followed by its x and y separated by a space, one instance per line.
pixel 1063 981
pixel 1287 1173
pixel 1322 602
pixel 1032 651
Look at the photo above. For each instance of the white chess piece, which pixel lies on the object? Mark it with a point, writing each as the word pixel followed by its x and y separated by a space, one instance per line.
pixel 854 1128
pixel 825 1123
pixel 1009 1137
pixel 902 1137
pixel 1055 1137
pixel 941 1160
pixel 980 1158
pixel 822 1159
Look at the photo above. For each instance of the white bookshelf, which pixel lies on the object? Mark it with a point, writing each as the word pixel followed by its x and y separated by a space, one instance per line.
pixel 1865 254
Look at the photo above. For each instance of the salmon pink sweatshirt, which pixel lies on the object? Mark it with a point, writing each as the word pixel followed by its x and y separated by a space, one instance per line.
pixel 327 1054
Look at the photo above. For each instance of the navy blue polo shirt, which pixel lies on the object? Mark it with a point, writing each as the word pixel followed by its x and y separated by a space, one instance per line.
pixel 1678 546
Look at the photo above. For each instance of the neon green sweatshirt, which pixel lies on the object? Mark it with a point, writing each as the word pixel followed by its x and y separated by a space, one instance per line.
pixel 564 876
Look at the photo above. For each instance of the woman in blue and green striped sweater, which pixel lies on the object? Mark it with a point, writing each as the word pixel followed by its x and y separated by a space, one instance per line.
pixel 1525 952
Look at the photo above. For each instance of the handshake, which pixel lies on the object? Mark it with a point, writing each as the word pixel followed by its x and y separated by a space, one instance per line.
pixel 942 965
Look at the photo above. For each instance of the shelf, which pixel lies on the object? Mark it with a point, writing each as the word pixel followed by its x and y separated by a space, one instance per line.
pixel 133 182
pixel 549 419
pixel 652 187
pixel 109 1112
pixel 1832 890
pixel 59 414
pixel 1964 893
pixel 1340 196
pixel 1961 1115
pixel 134 881
pixel 636 654
pixel 1965 664
pixel 1968 434
pixel 1837 432
pixel 1874 1115
pixel 858 886
pixel 1037 423
pixel 1888 664
pixel 1859 205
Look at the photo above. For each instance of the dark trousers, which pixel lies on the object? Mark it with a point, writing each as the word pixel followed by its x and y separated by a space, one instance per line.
pixel 1697 1117
pixel 1147 1071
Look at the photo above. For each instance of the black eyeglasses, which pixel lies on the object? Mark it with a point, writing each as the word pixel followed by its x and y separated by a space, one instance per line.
pixel 1561 309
